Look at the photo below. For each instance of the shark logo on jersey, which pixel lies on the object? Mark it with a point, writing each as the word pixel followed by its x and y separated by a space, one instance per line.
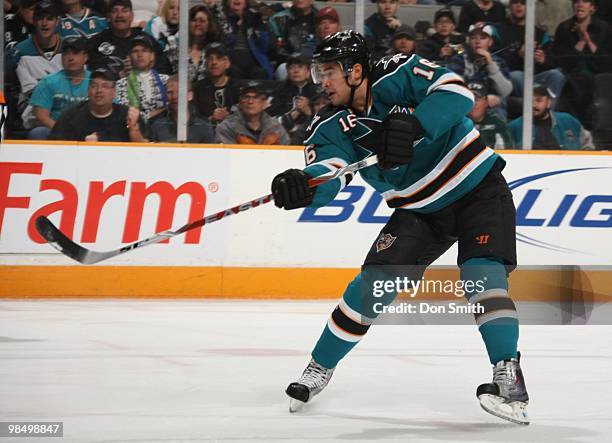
pixel 384 242
pixel 402 110
pixel 314 121
pixel 386 61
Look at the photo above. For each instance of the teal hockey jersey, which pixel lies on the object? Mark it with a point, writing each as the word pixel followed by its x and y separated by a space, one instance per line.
pixel 447 162
pixel 86 26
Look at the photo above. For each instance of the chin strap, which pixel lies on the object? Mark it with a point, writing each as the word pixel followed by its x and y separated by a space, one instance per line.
pixel 352 96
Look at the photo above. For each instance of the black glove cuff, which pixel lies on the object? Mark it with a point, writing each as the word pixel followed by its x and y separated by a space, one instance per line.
pixel 408 124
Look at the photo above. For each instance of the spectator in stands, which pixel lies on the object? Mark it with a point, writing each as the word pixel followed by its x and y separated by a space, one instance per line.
pixel 380 27
pixel 291 102
pixel 250 124
pixel 328 22
pixel 549 13
pixel 512 42
pixel 493 128
pixel 164 128
pixel 582 47
pixel 218 92
pixel 143 88
pixel 203 30
pixel 247 37
pixel 581 42
pixel 488 11
pixel 58 91
pixel 446 42
pixel 40 54
pixel 165 24
pixel 19 25
pixel 551 130
pixel 79 20
pixel 318 100
pixel 404 41
pixel 478 64
pixel 110 48
pixel 98 118
pixel 295 30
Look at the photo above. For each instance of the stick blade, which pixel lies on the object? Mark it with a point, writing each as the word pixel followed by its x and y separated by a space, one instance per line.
pixel 59 241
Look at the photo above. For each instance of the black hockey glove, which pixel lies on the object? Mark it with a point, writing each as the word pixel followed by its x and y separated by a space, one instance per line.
pixel 399 132
pixel 291 190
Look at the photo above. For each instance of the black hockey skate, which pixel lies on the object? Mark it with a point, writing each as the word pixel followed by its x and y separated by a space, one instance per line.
pixel 506 397
pixel 313 380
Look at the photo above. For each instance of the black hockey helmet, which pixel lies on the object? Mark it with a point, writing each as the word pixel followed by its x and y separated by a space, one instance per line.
pixel 347 48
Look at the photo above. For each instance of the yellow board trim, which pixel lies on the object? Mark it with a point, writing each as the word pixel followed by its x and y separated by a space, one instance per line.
pixel 265 283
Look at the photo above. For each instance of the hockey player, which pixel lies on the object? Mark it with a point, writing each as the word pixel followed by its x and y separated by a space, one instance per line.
pixel 445 185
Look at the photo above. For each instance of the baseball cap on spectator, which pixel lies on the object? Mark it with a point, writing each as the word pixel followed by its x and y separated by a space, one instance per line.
pixel 542 91
pixel 482 28
pixel 328 13
pixel 479 89
pixel 46 8
pixel 216 48
pixel 254 87
pixel 517 1
pixel 142 40
pixel 298 59
pixel 74 43
pixel 125 3
pixel 445 12
pixel 405 31
pixel 105 73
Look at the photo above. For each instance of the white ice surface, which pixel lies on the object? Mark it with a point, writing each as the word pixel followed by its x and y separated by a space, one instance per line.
pixel 149 371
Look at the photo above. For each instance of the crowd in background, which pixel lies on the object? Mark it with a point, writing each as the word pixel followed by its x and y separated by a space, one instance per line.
pixel 101 70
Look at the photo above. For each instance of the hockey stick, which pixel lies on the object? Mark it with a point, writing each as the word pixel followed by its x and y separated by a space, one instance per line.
pixel 66 246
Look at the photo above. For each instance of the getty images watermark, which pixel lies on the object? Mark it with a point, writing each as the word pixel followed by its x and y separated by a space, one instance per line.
pixel 408 295
pixel 442 295
pixel 383 289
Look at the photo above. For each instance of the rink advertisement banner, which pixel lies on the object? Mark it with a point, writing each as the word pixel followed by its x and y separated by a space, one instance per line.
pixel 106 196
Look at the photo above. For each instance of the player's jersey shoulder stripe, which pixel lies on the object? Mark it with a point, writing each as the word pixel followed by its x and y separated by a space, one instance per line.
pixel 394 69
pixel 320 119
pixel 451 82
pixel 457 89
pixel 449 77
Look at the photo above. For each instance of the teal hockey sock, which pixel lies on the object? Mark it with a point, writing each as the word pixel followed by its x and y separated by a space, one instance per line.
pixel 346 326
pixel 498 323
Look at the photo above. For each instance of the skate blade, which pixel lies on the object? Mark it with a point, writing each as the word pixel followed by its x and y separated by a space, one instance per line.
pixel 515 411
pixel 295 405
